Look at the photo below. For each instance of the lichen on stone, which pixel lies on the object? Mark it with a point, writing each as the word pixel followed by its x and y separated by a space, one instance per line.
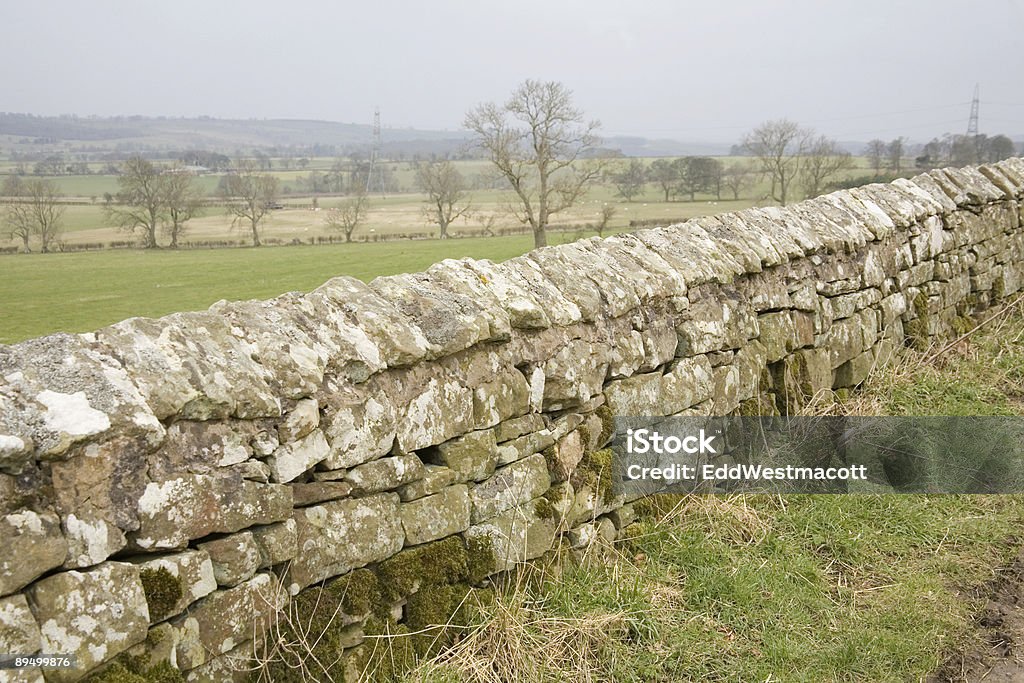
pixel 595 471
pixel 441 562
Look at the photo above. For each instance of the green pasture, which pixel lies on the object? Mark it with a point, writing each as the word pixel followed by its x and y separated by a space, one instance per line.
pixel 79 292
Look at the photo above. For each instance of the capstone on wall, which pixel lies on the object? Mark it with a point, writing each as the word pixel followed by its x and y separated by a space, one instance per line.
pixel 169 488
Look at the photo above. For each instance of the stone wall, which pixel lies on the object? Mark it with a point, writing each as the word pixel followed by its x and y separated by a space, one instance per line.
pixel 171 488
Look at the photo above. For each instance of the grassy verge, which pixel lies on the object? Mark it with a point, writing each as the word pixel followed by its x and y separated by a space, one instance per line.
pixel 797 588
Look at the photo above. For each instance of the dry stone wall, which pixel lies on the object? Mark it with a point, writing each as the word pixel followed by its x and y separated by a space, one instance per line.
pixel 170 488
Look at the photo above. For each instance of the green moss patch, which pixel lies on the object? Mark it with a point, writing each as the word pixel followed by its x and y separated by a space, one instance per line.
pixel 595 471
pixel 129 669
pixel 441 562
pixel 163 591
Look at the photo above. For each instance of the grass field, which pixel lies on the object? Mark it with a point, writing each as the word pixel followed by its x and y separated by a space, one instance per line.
pixel 79 292
pixel 777 588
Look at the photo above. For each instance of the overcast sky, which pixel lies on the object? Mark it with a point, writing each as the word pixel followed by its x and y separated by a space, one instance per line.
pixel 694 71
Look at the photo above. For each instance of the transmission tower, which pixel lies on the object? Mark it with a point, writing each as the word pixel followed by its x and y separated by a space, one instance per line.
pixel 972 123
pixel 373 179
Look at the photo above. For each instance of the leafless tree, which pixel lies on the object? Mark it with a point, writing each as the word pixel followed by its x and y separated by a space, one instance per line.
pixel 665 174
pixel 36 210
pixel 183 200
pixel 607 214
pixel 737 178
pixel 537 140
pixel 876 154
pixel 139 205
pixel 824 160
pixel 250 195
pixel 779 148
pixel 447 199
pixel 349 215
pixel 894 155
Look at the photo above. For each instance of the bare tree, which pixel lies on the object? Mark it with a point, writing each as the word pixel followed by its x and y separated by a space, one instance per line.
pixel 536 140
pixel 779 148
pixel 183 201
pixel 250 196
pixel 823 162
pixel 894 155
pixel 1000 147
pixel 737 178
pixel 607 214
pixel 630 179
pixel 445 188
pixel 349 215
pixel 139 205
pixel 665 174
pixel 876 154
pixel 35 211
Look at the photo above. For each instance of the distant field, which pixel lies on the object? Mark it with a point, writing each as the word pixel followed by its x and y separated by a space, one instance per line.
pixel 79 292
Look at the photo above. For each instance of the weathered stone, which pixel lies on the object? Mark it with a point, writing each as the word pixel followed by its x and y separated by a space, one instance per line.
pixel 385 474
pixel 515 536
pixel 19 632
pixel 688 382
pixel 524 446
pixel 192 575
pixel 563 457
pixel 318 492
pixel 300 421
pixel 623 516
pixel 293 458
pixel 341 535
pixel 574 374
pixel 173 512
pixel 235 558
pixel 472 457
pixel 721 322
pixel 636 395
pixel 360 425
pixel 512 485
pixel 854 371
pixel 443 409
pixel 93 615
pixel 33 544
pixel 227 618
pixel 726 393
pixel 277 543
pixel 507 396
pixel 436 516
pixel 516 427
pixel 435 479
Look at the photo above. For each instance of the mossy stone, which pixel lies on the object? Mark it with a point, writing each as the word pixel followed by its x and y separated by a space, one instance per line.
pixel 595 471
pixel 442 562
pixel 481 560
pixel 129 669
pixel 163 591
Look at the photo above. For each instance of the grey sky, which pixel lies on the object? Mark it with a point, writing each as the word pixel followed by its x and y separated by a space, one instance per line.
pixel 696 71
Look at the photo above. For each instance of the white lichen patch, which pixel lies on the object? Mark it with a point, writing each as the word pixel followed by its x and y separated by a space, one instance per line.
pixel 72 414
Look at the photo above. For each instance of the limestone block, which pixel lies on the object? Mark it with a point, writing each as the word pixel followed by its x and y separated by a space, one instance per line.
pixel 235 558
pixel 385 474
pixel 442 410
pixel 516 427
pixel 778 334
pixel 19 632
pixel 512 485
pixel 636 395
pixel 93 615
pixel 472 457
pixel 515 536
pixel 524 446
pixel 688 382
pixel 175 511
pixel 33 544
pixel 574 374
pixel 435 479
pixel 173 582
pixel 715 322
pixel 360 425
pixel 277 543
pixel 341 535
pixel 295 457
pixel 300 421
pixel 505 397
pixel 726 393
pixel 226 619
pixel 436 516
pixel 854 371
pixel 320 491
